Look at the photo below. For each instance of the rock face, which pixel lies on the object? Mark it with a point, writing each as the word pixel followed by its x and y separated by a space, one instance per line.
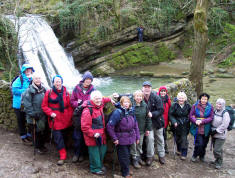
pixel 96 54
pixel 8 119
pixel 7 115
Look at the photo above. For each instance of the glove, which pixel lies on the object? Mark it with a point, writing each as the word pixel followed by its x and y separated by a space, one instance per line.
pixel 213 132
pixel 98 141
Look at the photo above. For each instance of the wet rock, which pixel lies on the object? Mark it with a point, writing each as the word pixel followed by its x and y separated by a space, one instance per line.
pixel 211 71
pixel 146 73
pixel 221 70
pixel 224 75
pixel 184 73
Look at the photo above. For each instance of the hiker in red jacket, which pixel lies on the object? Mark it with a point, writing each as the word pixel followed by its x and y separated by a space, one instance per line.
pixel 162 92
pixel 93 128
pixel 56 105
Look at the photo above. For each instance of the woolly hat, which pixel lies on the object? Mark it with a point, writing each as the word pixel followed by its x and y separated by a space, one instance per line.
pixel 59 76
pixel 87 75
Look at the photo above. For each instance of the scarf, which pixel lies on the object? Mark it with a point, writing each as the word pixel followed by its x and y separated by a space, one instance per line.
pixel 59 98
pixel 164 99
pixel 202 111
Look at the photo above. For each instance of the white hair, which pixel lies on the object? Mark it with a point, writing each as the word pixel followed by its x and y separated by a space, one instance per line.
pixel 182 94
pixel 95 94
pixel 35 75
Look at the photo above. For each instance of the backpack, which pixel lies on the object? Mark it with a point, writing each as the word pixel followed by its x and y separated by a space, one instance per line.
pixel 230 111
pixel 109 116
pixel 77 113
pixel 14 79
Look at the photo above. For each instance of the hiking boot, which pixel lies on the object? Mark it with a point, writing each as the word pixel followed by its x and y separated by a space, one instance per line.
pixel 136 164
pixel 26 141
pixel 183 158
pixel 75 159
pixel 193 159
pixel 81 158
pixel 141 162
pixel 129 176
pixel 60 162
pixel 178 153
pixel 149 161
pixel 103 169
pixel 218 166
pixel 99 173
pixel 202 159
pixel 162 160
pixel 44 149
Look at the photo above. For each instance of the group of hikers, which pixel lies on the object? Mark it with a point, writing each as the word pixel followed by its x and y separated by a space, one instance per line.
pixel 143 116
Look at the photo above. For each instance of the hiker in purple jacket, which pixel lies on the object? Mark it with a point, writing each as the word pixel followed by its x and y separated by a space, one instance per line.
pixel 123 129
pixel 81 93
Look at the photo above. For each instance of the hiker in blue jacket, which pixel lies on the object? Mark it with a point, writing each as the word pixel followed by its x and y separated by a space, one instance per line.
pixel 140 33
pixel 18 87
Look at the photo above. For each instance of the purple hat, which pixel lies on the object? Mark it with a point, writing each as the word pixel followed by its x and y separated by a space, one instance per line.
pixel 87 75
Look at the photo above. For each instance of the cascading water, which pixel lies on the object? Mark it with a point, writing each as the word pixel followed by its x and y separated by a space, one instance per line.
pixel 40 47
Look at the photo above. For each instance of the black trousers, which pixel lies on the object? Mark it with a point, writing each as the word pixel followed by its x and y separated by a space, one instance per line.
pixel 21 120
pixel 39 138
pixel 123 152
pixel 79 143
pixel 200 145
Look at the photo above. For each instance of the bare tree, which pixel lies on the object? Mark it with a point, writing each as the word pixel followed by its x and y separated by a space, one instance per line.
pixel 200 43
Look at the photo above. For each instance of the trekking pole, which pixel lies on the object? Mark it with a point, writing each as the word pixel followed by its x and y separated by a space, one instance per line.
pixel 174 148
pixel 34 136
pixel 52 127
pixel 114 159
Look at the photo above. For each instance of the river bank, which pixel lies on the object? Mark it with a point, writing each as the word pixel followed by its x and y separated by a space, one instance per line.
pixel 218 82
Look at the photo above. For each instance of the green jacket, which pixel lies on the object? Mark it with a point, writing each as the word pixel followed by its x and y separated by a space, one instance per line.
pixel 32 100
pixel 141 114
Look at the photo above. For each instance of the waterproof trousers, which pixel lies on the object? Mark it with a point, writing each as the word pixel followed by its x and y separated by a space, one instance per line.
pixel 201 142
pixel 123 152
pixel 218 150
pixel 79 144
pixel 96 157
pixel 21 121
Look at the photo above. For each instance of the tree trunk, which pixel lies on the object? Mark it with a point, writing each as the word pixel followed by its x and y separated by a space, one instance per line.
pixel 200 43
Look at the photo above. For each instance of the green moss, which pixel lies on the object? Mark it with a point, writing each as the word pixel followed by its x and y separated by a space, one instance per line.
pixel 140 53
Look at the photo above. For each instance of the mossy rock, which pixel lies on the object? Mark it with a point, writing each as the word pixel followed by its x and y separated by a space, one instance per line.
pixel 140 53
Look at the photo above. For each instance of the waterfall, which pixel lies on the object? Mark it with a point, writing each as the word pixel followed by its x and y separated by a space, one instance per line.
pixel 40 47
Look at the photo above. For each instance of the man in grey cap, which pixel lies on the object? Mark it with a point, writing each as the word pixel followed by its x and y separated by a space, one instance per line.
pixel 155 105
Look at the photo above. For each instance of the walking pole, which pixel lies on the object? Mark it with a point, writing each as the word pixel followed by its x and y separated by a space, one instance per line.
pixel 52 127
pixel 174 149
pixel 34 137
pixel 114 159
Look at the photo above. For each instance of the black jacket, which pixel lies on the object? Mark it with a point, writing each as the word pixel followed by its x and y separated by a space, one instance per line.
pixel 181 117
pixel 156 108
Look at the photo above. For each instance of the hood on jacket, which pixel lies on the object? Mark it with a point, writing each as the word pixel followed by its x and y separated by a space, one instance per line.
pixel 26 66
pixel 162 88
pixel 222 102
